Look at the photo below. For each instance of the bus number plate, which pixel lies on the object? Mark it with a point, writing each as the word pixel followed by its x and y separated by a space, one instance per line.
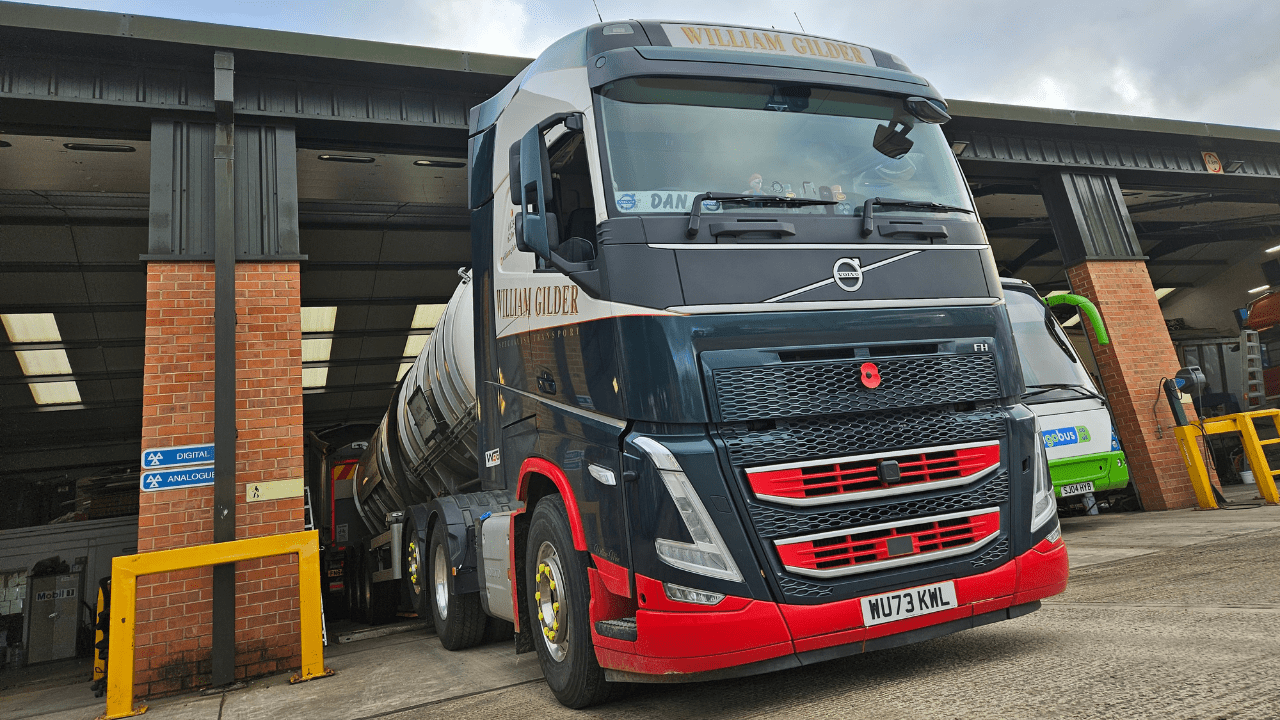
pixel 1075 489
pixel 903 604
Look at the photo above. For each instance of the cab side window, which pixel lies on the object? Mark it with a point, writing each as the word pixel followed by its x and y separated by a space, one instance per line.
pixel 575 207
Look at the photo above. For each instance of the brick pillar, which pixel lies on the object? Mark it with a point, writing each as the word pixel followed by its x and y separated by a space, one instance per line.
pixel 1140 353
pixel 174 610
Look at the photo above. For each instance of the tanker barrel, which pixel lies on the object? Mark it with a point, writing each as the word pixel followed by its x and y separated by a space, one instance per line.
pixel 425 445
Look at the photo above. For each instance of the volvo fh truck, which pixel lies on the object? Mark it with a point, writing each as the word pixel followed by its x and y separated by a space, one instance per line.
pixel 730 386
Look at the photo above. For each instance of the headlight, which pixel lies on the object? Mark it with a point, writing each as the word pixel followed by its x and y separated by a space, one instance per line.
pixel 1043 506
pixel 708 555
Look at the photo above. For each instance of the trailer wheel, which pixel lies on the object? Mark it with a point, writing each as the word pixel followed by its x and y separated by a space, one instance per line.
pixel 459 619
pixel 415 571
pixel 558 598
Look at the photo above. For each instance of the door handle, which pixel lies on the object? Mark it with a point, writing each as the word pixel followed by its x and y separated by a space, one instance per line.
pixel 546 383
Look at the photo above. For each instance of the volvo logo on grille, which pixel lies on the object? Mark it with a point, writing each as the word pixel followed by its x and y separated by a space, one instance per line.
pixel 848 274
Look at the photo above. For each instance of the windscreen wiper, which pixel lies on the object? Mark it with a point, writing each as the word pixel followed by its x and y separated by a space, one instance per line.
pixel 1051 325
pixel 925 205
pixel 695 214
pixel 1042 388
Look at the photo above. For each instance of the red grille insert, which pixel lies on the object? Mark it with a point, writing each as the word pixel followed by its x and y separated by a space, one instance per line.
pixel 862 475
pixel 875 545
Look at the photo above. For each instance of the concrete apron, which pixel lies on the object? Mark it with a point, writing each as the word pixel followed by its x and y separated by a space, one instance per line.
pixel 409 671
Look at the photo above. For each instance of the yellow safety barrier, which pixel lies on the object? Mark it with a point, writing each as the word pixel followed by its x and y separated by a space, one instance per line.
pixel 125 571
pixel 1242 423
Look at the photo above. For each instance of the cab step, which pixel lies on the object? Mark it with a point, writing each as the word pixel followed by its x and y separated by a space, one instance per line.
pixel 623 629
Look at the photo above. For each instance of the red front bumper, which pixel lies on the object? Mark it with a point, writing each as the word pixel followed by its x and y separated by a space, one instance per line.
pixel 680 638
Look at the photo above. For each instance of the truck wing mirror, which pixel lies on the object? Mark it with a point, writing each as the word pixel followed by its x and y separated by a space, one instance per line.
pixel 539 230
pixel 536 228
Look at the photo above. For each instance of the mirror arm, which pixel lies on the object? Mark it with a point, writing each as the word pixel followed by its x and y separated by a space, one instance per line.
pixel 583 274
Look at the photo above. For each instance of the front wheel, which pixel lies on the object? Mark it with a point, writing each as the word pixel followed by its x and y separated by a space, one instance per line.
pixel 558 599
pixel 459 619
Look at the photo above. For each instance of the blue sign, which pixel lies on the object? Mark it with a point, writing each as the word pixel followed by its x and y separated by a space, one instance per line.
pixel 627 201
pixel 182 478
pixel 1065 436
pixel 177 456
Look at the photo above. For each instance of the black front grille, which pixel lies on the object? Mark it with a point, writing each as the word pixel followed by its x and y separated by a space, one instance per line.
pixel 777 522
pixel 993 554
pixel 801 588
pixel 834 388
pixel 834 435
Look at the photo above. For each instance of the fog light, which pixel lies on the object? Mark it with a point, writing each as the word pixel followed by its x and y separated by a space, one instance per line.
pixel 680 593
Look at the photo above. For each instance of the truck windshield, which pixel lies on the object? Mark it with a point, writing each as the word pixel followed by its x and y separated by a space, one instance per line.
pixel 669 139
pixel 1046 362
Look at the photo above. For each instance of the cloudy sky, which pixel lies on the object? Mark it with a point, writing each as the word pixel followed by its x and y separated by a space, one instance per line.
pixel 1206 60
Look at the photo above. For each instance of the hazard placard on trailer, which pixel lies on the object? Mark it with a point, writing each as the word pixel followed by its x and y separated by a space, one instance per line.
pixel 182 478
pixel 177 456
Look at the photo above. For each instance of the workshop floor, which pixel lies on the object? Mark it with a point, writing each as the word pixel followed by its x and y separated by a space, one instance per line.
pixel 1167 615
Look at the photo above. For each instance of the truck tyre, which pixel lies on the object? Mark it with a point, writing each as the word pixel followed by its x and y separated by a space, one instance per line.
pixel 459 619
pixel 558 598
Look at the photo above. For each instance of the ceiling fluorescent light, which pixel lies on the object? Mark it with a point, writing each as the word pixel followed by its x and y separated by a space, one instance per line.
pixel 413 345
pixel 314 377
pixel 1161 292
pixel 100 147
pixel 1273 249
pixel 958 146
pixel 427 316
pixel 346 158
pixel 1056 293
pixel 31 327
pixel 318 319
pixel 404 368
pixel 1234 166
pixel 43 362
pixel 1074 320
pixel 440 163
pixel 55 393
pixel 316 349
pixel 1259 289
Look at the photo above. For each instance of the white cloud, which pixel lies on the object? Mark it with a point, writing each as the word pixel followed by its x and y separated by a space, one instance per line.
pixel 501 27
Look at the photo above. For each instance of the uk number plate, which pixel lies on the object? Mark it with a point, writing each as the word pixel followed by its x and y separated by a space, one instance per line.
pixel 910 603
pixel 1076 489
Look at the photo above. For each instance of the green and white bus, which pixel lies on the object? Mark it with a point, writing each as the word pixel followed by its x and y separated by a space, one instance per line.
pixel 1072 416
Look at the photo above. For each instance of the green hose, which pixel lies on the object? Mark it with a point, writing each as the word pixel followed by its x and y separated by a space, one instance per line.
pixel 1088 308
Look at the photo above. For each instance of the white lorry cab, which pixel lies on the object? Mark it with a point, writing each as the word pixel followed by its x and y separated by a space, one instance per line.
pixel 1074 422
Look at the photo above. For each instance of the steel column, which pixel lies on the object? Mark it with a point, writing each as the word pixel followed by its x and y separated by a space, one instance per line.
pixel 224 391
